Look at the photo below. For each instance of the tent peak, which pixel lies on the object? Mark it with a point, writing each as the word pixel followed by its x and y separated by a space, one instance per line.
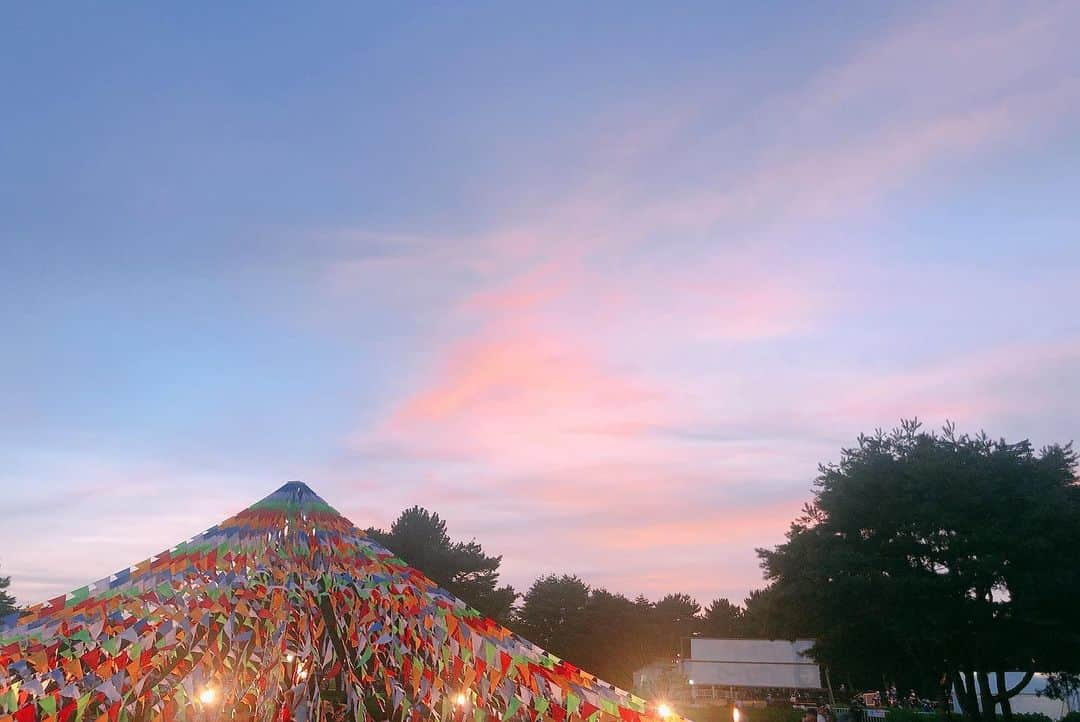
pixel 295 497
pixel 295 487
pixel 296 494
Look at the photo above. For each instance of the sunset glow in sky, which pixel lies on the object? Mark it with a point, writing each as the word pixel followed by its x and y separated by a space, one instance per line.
pixel 601 285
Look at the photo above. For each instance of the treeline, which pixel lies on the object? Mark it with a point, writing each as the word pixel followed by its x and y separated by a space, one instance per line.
pixel 932 562
pixel 612 635
pixel 938 562
pixel 606 633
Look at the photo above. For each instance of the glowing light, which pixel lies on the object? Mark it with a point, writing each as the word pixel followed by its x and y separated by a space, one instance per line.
pixel 208 695
pixel 691 681
pixel 302 674
pixel 460 699
pixel 289 657
pixel 665 711
pixel 736 715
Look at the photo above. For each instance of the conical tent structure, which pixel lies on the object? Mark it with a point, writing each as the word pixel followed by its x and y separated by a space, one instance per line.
pixel 285 611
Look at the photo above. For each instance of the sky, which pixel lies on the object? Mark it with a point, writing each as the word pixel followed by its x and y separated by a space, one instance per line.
pixel 602 284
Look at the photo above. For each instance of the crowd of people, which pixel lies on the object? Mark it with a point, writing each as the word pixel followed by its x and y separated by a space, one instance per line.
pixel 818 714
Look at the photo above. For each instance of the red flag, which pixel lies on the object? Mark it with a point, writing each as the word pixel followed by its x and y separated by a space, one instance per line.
pixel 27 713
pixel 67 712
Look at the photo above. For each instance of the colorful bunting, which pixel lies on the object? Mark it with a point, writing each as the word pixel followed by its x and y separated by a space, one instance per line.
pixel 283 612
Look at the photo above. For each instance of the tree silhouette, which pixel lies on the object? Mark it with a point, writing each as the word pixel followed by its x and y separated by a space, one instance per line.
pixel 723 619
pixel 7 602
pixel 936 556
pixel 462 568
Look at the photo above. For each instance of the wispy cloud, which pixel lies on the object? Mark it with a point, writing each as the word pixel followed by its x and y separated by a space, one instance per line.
pixel 628 367
pixel 567 336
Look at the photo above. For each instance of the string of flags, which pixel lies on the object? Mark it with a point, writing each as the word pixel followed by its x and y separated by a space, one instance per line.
pixel 285 612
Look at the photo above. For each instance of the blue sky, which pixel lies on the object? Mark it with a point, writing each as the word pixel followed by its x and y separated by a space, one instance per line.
pixel 601 285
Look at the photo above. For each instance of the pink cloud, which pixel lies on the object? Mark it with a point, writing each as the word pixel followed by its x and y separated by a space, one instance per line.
pixel 1005 381
pixel 511 376
pixel 594 351
pixel 513 395
pixel 713 527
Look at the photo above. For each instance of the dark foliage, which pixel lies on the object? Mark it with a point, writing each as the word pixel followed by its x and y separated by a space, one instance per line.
pixel 606 633
pixel 1031 717
pixel 420 538
pixel 7 602
pixel 723 619
pixel 927 560
pixel 927 557
pixel 1062 686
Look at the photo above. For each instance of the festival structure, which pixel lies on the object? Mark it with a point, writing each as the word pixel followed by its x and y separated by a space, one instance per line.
pixel 285 612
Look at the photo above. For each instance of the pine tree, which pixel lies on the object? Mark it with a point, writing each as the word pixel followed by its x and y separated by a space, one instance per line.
pixel 7 602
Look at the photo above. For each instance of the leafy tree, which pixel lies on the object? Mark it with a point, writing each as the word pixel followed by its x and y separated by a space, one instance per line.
pixel 420 538
pixel 553 615
pixel 936 556
pixel 7 602
pixel 723 619
pixel 617 642
pixel 676 617
pixel 605 633
pixel 1064 686
pixel 763 617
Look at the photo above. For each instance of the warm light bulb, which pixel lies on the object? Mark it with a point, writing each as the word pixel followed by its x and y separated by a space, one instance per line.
pixel 208 695
pixel 460 699
pixel 691 681
pixel 736 715
pixel 289 657
pixel 665 711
